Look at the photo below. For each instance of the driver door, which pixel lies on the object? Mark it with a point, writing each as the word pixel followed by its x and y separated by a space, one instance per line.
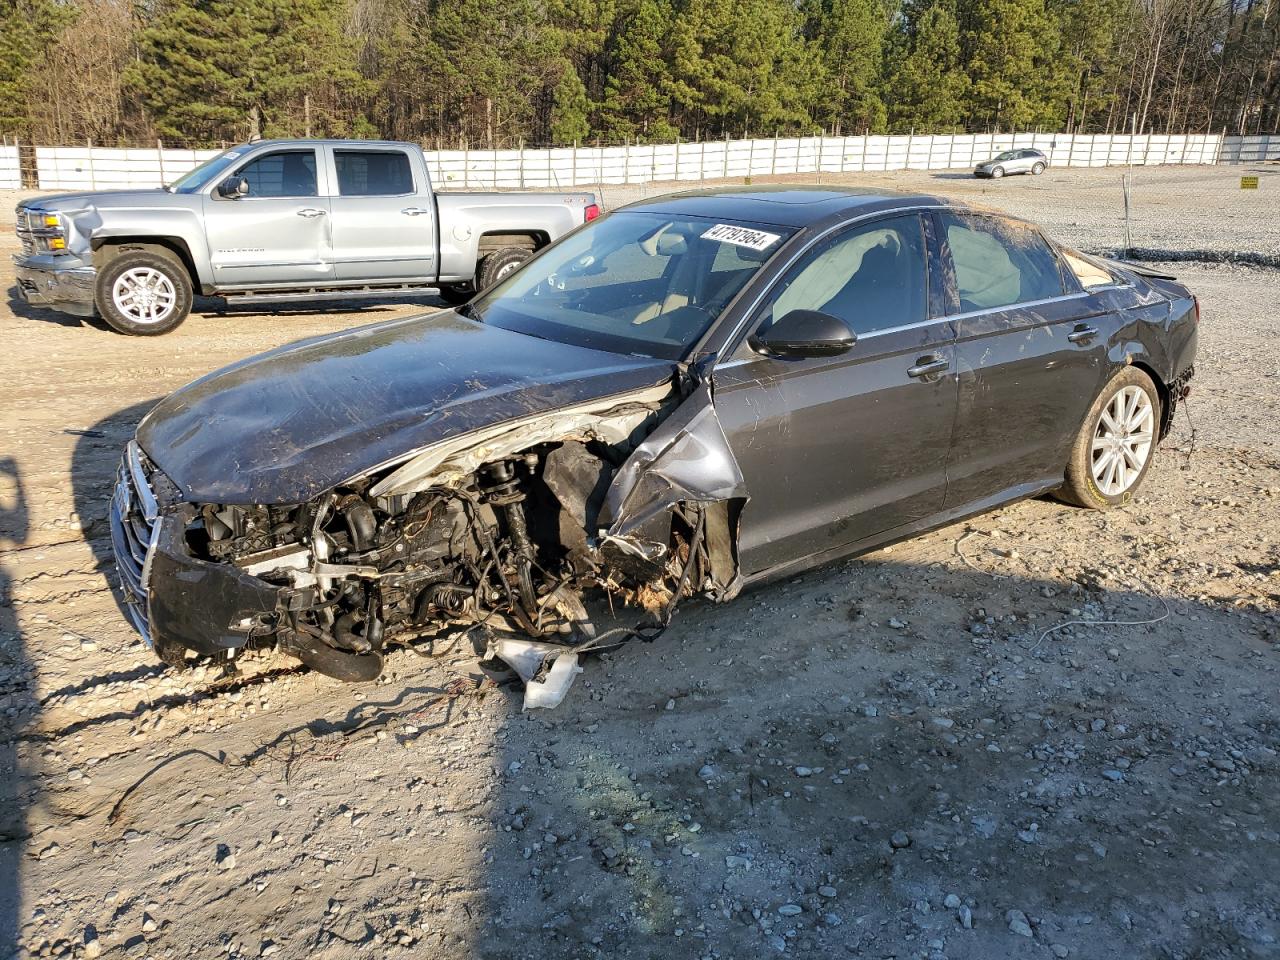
pixel 279 233
pixel 835 450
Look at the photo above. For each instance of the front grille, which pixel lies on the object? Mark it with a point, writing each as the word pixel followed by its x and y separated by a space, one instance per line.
pixel 134 515
pixel 23 227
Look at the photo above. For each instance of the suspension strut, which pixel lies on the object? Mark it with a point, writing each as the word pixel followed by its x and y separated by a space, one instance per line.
pixel 502 490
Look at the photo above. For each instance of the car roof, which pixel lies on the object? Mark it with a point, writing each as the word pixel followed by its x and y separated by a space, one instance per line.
pixel 790 206
pixel 302 142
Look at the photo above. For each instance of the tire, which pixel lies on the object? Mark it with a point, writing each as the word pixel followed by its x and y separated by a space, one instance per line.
pixel 498 264
pixel 160 287
pixel 1037 169
pixel 1131 405
pixel 456 293
pixel 997 173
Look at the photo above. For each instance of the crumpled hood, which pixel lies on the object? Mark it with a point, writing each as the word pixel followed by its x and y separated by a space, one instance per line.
pixel 285 426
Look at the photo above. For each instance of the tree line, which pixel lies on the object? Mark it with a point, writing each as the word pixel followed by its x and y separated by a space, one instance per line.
pixel 490 73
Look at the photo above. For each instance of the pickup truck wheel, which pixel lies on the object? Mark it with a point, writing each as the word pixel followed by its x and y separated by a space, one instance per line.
pixel 456 293
pixel 498 264
pixel 144 293
pixel 1113 450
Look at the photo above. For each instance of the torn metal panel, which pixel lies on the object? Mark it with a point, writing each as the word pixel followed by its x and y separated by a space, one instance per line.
pixel 611 420
pixel 686 459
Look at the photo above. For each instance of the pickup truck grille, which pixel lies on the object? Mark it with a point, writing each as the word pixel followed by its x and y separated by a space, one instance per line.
pixel 23 227
pixel 134 516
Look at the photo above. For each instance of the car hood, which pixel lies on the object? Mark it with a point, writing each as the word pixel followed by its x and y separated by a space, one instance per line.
pixel 101 198
pixel 285 426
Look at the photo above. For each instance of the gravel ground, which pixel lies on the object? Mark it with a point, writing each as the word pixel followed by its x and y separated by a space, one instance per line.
pixel 886 757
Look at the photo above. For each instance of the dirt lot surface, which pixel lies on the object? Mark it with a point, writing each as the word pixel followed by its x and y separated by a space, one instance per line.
pixel 905 755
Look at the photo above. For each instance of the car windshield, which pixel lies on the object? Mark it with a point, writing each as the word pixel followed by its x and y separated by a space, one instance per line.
pixel 633 282
pixel 1008 155
pixel 192 181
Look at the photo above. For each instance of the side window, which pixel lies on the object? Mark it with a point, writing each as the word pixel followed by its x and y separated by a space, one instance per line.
pixel 373 173
pixel 288 173
pixel 998 263
pixel 871 277
pixel 1087 272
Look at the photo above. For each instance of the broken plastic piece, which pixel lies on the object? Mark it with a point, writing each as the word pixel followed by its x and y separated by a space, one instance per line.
pixel 543 688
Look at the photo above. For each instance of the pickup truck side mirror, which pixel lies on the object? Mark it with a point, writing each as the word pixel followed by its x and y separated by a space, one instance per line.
pixel 233 188
pixel 804 333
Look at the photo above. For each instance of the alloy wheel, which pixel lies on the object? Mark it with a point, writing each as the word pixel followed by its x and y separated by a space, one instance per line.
pixel 144 295
pixel 1122 440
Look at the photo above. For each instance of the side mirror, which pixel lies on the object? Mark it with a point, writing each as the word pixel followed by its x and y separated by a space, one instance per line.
pixel 805 333
pixel 233 188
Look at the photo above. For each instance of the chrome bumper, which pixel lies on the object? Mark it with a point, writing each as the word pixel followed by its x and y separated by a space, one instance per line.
pixel 45 284
pixel 134 515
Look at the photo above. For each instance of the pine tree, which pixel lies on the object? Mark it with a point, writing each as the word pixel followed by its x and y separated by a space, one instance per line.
pixel 638 93
pixel 227 69
pixel 1013 46
pixel 27 29
pixel 570 108
pixel 927 82
pixel 849 36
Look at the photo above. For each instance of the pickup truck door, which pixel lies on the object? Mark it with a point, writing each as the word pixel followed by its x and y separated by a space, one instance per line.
pixel 383 215
pixel 276 235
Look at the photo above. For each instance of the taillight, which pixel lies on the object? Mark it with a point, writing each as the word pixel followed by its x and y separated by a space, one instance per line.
pixel 592 211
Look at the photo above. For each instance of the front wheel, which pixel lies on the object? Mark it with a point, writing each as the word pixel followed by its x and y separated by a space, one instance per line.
pixel 1113 450
pixel 1037 169
pixel 456 293
pixel 143 293
pixel 997 173
pixel 498 264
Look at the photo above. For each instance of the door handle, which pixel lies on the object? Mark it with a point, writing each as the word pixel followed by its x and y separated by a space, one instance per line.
pixel 414 211
pixel 311 212
pixel 927 365
pixel 1082 334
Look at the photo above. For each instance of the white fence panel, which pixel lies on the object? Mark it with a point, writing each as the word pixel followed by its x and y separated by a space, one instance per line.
pixel 104 168
pixel 10 169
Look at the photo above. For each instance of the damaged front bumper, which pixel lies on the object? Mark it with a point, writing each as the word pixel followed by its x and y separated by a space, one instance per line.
pixel 171 597
pixel 58 282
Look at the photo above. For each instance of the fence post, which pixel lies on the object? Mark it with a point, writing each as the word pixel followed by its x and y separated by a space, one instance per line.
pixel 160 157
pixel 677 177
pixel 465 165
pixel 773 160
pixel 93 179
pixel 702 160
pixel 519 163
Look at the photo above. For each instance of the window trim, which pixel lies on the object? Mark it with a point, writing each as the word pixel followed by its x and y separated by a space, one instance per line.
pixel 337 177
pixel 315 154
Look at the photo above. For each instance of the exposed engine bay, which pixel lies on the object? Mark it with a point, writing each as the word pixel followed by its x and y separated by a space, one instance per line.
pixel 517 531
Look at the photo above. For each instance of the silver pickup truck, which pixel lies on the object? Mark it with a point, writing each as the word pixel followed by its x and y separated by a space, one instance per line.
pixel 279 220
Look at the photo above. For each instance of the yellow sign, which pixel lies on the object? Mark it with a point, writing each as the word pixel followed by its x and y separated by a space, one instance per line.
pixel 1248 183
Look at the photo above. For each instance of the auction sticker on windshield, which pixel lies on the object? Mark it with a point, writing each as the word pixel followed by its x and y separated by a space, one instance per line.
pixel 742 236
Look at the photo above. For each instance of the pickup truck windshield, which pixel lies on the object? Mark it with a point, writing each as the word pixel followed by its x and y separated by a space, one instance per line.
pixel 213 167
pixel 638 283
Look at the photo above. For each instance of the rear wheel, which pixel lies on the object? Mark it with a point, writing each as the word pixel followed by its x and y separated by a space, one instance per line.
pixel 997 173
pixel 1113 450
pixel 1037 169
pixel 498 264
pixel 143 292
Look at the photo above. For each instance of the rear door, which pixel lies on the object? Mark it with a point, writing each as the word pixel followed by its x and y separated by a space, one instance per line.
pixel 1031 350
pixel 279 233
pixel 837 449
pixel 383 218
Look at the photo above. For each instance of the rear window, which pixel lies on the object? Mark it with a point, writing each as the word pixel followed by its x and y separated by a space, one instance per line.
pixel 373 173
pixel 1087 272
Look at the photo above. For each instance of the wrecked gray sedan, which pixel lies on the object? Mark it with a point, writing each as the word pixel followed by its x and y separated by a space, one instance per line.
pixel 684 396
